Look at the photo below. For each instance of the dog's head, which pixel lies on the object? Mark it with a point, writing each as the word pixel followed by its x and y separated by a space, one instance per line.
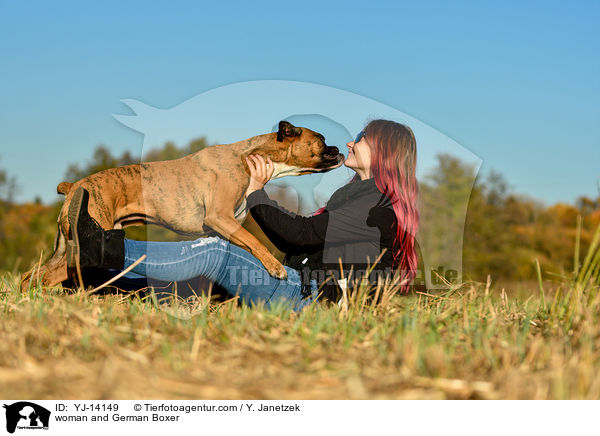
pixel 297 150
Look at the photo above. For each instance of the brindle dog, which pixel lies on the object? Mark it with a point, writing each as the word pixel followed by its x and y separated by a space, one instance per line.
pixel 188 195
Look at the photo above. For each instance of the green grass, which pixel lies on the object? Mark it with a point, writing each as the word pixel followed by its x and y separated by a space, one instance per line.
pixel 473 341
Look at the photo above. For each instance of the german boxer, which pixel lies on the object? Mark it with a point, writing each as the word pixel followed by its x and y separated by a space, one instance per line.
pixel 189 195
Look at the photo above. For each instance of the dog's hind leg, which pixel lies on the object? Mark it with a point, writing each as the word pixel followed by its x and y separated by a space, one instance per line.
pixel 47 272
pixel 46 275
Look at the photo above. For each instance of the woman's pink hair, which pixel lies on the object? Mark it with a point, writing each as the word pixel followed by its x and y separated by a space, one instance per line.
pixel 393 166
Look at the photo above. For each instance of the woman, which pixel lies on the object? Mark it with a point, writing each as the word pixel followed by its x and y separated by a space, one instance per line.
pixel 373 217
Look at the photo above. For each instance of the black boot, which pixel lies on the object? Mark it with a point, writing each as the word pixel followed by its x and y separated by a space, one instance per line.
pixel 94 246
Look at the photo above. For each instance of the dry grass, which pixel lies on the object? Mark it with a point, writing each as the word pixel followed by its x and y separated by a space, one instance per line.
pixel 473 341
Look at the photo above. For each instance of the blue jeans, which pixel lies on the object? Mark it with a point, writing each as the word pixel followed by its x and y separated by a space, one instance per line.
pixel 228 265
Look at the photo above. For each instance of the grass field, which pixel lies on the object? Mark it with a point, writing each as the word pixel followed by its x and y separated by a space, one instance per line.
pixel 473 341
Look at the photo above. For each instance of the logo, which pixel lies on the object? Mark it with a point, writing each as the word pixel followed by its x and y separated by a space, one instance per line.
pixel 241 110
pixel 26 415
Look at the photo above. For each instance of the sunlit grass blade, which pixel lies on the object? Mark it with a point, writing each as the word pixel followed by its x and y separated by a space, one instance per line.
pixel 577 243
pixel 590 266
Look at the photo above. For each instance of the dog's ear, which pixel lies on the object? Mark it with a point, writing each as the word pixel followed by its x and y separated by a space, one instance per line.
pixel 287 129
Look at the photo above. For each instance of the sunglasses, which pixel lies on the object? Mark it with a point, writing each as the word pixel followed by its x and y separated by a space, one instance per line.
pixel 360 136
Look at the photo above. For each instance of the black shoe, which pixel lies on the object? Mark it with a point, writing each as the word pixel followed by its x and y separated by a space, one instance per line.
pixel 88 242
pixel 305 291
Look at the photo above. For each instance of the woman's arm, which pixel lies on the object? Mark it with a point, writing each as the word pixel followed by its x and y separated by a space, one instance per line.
pixel 365 219
pixel 289 232
pixel 355 221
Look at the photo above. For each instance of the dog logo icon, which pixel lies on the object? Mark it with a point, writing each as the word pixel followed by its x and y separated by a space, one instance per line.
pixel 26 415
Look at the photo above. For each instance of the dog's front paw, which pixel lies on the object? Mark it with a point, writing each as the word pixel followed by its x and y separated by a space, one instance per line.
pixel 276 269
pixel 281 273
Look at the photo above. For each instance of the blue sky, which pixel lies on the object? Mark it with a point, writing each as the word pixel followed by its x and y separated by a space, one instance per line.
pixel 517 83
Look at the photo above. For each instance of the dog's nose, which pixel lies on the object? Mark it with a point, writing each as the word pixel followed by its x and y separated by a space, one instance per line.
pixel 332 150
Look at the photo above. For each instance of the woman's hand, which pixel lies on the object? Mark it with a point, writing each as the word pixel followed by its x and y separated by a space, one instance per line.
pixel 261 172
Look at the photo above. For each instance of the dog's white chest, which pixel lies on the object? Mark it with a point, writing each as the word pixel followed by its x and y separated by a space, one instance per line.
pixel 241 212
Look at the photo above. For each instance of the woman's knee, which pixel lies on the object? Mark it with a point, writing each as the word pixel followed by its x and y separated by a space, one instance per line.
pixel 207 242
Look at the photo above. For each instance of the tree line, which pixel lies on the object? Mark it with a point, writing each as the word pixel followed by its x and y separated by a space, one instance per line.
pixel 504 232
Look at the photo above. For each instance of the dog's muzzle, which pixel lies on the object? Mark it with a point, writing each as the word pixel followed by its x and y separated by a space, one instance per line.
pixel 331 158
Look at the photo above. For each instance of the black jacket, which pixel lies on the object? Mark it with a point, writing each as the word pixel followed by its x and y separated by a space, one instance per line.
pixel 357 224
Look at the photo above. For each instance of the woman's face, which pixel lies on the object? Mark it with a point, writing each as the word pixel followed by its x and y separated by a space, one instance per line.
pixel 359 156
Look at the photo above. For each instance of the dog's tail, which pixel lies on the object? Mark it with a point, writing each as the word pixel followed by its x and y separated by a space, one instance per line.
pixel 64 188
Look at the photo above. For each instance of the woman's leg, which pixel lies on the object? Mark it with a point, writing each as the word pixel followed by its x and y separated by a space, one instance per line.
pixel 232 267
pixel 175 261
